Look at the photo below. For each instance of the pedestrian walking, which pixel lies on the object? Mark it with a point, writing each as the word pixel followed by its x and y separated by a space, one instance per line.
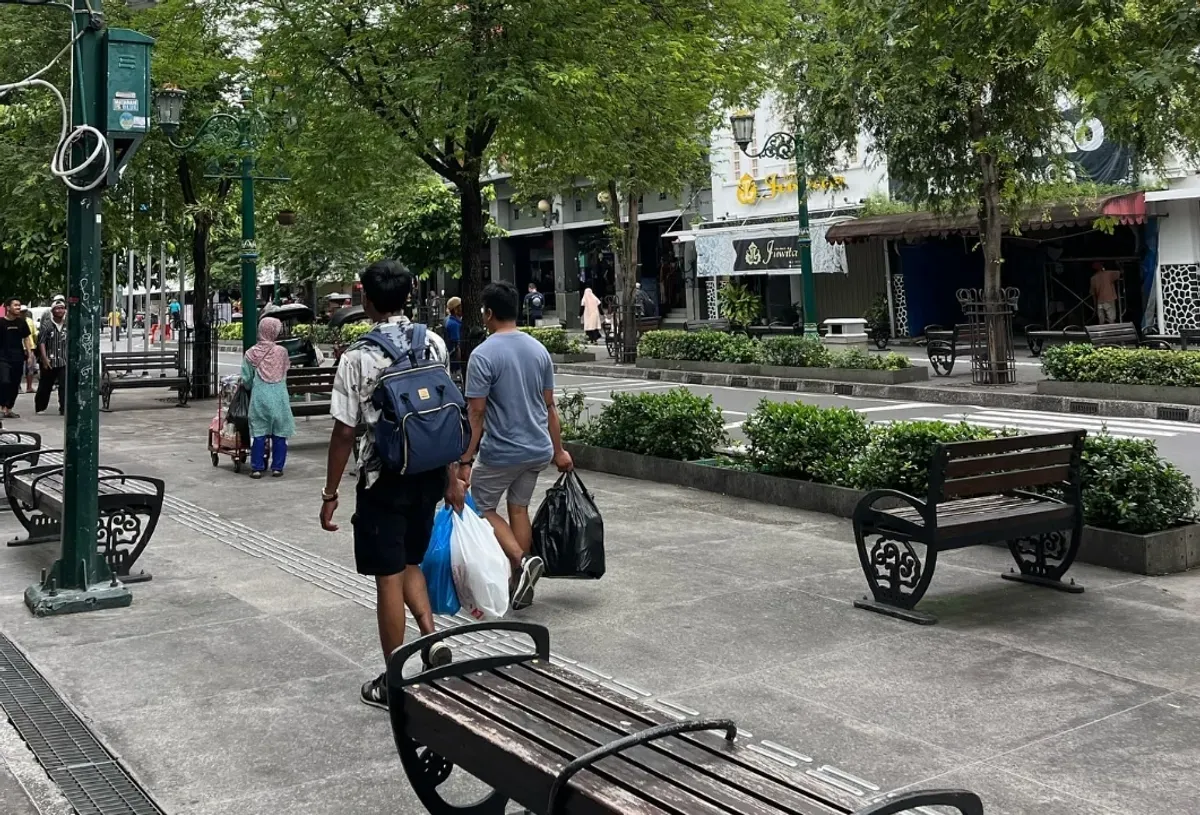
pixel 264 374
pixel 534 304
pixel 52 350
pixel 31 361
pixel 394 511
pixel 453 331
pixel 114 324
pixel 15 353
pixel 591 315
pixel 515 430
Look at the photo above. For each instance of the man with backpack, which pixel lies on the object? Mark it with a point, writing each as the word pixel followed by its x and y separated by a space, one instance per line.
pixel 514 428
pixel 534 305
pixel 398 371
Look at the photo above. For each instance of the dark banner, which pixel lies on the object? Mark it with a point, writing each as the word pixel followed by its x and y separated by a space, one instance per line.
pixel 766 254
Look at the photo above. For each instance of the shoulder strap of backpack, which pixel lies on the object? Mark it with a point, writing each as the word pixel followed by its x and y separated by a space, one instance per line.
pixel 417 340
pixel 378 338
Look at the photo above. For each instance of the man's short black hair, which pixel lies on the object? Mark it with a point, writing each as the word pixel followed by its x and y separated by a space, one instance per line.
pixel 502 300
pixel 387 284
pixel 533 285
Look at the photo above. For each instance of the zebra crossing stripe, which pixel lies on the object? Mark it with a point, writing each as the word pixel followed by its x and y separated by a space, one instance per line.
pixel 1035 425
pixel 1068 422
pixel 1127 424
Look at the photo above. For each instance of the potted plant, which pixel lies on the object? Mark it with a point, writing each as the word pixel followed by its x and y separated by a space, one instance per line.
pixel 879 322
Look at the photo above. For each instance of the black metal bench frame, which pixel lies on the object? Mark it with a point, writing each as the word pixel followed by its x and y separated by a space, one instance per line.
pixel 1122 335
pixel 1037 337
pixel 943 345
pixel 987 490
pixel 128 362
pixel 556 744
pixel 15 443
pixel 127 518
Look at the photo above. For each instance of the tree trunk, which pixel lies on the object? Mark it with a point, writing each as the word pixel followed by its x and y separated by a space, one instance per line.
pixel 999 339
pixel 471 241
pixel 626 235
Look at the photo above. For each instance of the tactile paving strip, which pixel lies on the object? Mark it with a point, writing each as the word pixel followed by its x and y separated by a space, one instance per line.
pixel 93 781
pixel 345 582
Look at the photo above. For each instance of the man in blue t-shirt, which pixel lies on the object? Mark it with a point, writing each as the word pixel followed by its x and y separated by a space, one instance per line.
pixel 515 430
pixel 534 303
pixel 453 331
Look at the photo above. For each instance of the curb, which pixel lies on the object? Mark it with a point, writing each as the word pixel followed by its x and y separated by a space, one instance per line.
pixel 1112 408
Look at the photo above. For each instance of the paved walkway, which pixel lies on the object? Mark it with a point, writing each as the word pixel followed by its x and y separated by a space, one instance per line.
pixel 230 686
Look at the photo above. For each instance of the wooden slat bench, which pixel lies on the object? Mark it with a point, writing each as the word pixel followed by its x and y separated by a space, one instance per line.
pixel 554 743
pixel 707 325
pixel 945 345
pixel 116 371
pixel 311 382
pixel 989 491
pixel 1121 335
pixel 129 507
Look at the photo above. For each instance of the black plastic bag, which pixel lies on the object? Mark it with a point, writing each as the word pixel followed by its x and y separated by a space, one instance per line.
pixel 568 532
pixel 239 413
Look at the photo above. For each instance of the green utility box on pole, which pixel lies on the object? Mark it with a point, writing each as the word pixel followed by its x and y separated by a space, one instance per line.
pixel 127 97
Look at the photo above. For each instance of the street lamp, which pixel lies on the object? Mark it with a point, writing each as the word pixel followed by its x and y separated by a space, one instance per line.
pixel 235 132
pixel 786 146
pixel 548 217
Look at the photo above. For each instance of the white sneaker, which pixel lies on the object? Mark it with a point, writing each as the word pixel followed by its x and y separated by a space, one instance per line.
pixel 531 571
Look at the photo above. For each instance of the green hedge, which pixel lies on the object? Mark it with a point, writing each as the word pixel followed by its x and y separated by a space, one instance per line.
pixel 1126 485
pixel 677 425
pixel 1122 366
pixel 556 340
pixel 785 351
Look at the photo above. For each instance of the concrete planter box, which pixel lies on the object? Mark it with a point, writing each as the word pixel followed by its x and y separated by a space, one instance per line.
pixel 913 374
pixel 1132 393
pixel 1174 550
pixel 572 359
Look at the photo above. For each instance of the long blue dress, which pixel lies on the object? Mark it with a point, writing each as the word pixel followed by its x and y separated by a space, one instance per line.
pixel 270 408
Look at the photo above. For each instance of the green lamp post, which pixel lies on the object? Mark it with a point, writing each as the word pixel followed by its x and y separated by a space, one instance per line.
pixel 787 146
pixel 234 132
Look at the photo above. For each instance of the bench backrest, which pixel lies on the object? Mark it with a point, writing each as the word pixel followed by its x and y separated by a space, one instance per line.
pixel 1115 334
pixel 1189 338
pixel 708 325
pixel 964 469
pixel 967 332
pixel 141 360
pixel 311 380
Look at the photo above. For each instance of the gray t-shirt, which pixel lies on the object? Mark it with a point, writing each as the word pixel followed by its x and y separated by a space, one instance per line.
pixel 512 370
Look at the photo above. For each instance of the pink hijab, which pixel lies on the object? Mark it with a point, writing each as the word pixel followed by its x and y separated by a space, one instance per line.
pixel 270 361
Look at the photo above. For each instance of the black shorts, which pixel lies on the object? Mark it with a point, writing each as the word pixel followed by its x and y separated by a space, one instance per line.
pixel 393 521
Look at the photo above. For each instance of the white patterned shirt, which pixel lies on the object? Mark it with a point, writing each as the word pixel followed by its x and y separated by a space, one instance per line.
pixel 354 385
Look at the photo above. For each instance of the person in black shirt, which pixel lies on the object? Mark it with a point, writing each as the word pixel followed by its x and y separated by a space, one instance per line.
pixel 14 354
pixel 534 303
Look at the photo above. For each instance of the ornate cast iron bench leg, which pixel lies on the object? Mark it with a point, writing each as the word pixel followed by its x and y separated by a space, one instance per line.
pixel 1043 559
pixel 126 524
pixel 941 357
pixel 41 528
pixel 895 573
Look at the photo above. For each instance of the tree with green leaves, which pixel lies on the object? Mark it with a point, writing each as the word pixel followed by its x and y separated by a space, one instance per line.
pixel 963 97
pixel 633 112
pixel 439 78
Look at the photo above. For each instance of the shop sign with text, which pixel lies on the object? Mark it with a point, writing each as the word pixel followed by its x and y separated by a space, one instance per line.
pixel 765 254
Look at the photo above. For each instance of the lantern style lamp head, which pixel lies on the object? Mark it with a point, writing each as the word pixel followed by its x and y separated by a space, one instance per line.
pixel 543 206
pixel 742 123
pixel 168 106
pixel 603 197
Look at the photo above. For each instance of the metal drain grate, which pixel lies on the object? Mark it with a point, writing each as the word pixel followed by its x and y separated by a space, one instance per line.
pixel 90 777
pixel 843 390
pixel 1172 414
pixel 1084 408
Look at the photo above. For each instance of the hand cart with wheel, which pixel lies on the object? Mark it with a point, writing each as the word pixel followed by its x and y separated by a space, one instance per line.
pixel 223 438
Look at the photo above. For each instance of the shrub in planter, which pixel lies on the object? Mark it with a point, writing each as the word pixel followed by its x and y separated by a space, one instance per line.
pixel 1127 486
pixel 740 349
pixel 899 454
pixel 858 359
pixel 352 331
pixel 229 331
pixel 700 346
pixel 556 340
pixel 677 425
pixel 804 441
pixel 572 409
pixel 794 352
pixel 740 305
pixel 1122 366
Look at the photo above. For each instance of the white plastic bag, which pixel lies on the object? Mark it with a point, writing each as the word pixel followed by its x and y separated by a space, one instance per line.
pixel 479 566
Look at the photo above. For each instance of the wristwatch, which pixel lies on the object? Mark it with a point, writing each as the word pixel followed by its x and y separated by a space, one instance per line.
pixel 327 497
pixel 462 463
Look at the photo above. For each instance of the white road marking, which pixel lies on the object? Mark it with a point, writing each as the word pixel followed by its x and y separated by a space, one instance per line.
pixel 1133 424
pixel 1068 422
pixel 903 406
pixel 734 425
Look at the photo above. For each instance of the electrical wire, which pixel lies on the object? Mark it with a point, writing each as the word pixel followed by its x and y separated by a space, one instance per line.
pixel 68 137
